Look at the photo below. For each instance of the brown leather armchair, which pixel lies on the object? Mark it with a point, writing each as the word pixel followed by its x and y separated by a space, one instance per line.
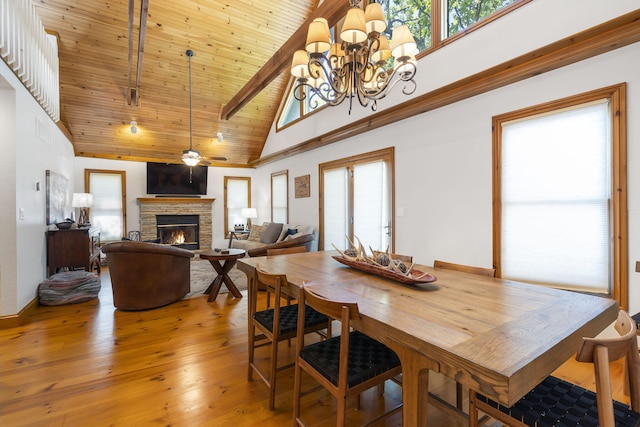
pixel 147 275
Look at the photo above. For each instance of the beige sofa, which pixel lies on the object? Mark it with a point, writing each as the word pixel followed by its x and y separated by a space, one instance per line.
pixel 275 235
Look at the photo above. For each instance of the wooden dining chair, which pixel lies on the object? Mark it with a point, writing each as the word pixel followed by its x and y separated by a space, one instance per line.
pixel 285 251
pixel 399 257
pixel 557 402
pixel 482 271
pixel 345 365
pixel 277 324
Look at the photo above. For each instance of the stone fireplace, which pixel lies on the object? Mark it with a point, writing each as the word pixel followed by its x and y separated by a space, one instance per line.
pixel 181 209
pixel 182 231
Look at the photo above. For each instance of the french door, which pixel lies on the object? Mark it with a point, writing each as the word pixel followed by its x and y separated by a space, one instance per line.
pixel 356 200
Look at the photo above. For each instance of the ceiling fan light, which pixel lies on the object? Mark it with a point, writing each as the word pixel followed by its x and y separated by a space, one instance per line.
pixel 191 157
pixel 220 136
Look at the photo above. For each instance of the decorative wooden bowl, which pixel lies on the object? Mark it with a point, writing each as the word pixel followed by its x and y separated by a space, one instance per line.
pixel 414 277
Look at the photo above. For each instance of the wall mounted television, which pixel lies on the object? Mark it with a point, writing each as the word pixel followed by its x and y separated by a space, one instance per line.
pixel 176 179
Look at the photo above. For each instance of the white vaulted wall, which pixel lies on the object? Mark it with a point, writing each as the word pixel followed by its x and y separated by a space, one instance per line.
pixel 443 157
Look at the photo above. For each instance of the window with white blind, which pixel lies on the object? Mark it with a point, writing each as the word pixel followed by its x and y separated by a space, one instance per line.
pixel 109 208
pixel 237 195
pixel 280 197
pixel 559 219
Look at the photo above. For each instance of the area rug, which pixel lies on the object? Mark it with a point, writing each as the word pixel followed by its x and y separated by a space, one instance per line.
pixel 202 273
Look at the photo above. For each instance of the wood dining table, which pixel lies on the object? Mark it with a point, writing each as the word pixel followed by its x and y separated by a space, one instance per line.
pixel 498 337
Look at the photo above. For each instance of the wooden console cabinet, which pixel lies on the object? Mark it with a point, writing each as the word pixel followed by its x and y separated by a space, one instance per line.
pixel 76 248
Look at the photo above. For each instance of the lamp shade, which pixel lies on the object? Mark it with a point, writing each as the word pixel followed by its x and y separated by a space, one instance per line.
pixel 354 29
pixel 374 17
pixel 336 56
pixel 300 65
pixel 82 200
pixel 384 51
pixel 403 42
pixel 249 213
pixel 318 36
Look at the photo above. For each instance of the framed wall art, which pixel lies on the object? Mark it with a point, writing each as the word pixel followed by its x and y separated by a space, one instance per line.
pixel 302 186
pixel 57 197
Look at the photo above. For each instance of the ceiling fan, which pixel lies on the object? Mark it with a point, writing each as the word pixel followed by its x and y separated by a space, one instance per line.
pixel 192 157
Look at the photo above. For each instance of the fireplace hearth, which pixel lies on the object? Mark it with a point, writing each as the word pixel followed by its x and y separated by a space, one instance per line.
pixel 182 231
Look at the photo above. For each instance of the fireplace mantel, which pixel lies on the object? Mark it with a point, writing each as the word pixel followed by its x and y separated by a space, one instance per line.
pixel 163 200
pixel 152 206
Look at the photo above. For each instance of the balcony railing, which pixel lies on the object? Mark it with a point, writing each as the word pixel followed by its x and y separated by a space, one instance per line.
pixel 30 53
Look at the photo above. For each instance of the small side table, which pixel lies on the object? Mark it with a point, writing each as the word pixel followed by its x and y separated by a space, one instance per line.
pixel 233 234
pixel 222 264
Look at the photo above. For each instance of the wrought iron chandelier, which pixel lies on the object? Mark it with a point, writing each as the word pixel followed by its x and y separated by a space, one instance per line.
pixel 357 66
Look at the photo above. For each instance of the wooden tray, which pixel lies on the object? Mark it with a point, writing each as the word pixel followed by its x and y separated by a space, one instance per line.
pixel 412 279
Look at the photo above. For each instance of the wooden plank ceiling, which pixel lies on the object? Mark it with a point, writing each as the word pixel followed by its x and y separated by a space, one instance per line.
pixel 231 41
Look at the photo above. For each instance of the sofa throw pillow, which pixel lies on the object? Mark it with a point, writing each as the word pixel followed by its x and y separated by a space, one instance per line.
pixel 290 232
pixel 271 233
pixel 256 232
pixel 283 233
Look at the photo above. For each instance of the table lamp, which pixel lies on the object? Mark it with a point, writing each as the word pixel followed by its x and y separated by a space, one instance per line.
pixel 249 213
pixel 82 201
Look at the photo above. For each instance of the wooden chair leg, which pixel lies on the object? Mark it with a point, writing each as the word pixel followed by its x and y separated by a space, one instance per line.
pixel 342 411
pixel 272 375
pixel 252 342
pixel 473 411
pixel 459 395
pixel 297 389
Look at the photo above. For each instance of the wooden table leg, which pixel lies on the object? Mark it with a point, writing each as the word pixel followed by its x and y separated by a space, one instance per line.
pixel 415 384
pixel 228 282
pixel 223 276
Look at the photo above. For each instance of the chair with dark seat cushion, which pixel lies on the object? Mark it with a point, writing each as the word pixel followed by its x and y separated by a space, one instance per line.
pixel 147 275
pixel 277 324
pixel 346 365
pixel 555 402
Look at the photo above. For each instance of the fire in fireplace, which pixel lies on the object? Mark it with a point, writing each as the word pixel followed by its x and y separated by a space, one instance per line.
pixel 179 230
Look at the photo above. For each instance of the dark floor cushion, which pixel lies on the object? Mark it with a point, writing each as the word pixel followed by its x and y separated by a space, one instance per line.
pixel 69 287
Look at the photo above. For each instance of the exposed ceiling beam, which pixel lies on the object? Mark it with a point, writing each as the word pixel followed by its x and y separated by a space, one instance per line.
pixel 611 35
pixel 331 10
pixel 133 91
pixel 130 51
pixel 142 32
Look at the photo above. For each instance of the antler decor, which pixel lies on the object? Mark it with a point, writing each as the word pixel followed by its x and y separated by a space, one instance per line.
pixel 381 263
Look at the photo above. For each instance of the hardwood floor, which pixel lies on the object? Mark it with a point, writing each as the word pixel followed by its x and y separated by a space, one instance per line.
pixel 180 365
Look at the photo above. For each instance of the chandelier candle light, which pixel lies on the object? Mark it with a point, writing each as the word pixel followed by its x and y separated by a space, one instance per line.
pixel 356 66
